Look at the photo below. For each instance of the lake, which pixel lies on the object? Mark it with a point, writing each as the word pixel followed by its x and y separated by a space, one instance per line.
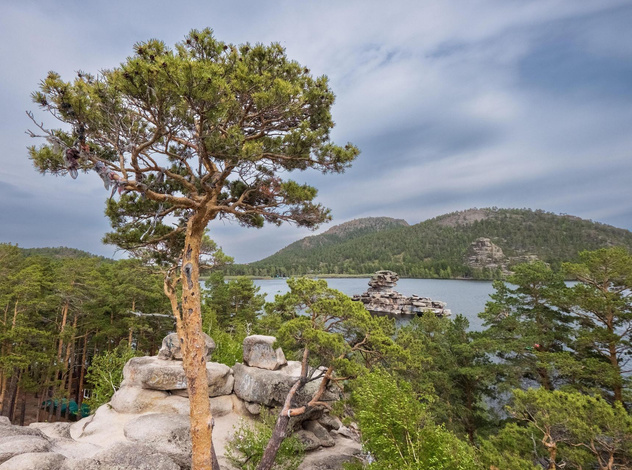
pixel 467 298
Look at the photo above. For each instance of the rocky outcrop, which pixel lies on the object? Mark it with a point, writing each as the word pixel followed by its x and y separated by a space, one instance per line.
pixel 171 348
pixel 259 352
pixel 485 254
pixel 146 424
pixel 269 388
pixel 482 253
pixel 381 298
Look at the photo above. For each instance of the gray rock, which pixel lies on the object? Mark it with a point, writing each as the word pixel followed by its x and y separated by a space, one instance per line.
pixel 222 405
pixel 172 350
pixel 253 408
pixel 10 446
pixel 59 430
pixel 11 430
pixel 329 422
pixel 259 352
pixel 320 432
pixel 166 433
pixel 34 461
pixel 308 439
pixel 5 421
pixel 154 374
pixel 136 400
pixel 124 456
pixel 270 388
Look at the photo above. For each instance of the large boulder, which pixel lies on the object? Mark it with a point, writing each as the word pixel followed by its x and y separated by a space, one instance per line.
pixel 172 349
pixel 34 461
pixel 259 352
pixel 270 388
pixel 166 433
pixel 155 374
pixel 124 456
pixel 58 430
pixel 10 446
pixel 135 400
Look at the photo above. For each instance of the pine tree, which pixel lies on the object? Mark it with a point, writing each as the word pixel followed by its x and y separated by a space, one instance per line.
pixel 204 131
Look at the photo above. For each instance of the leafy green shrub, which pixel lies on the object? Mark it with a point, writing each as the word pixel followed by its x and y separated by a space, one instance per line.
pixel 398 430
pixel 247 444
pixel 105 374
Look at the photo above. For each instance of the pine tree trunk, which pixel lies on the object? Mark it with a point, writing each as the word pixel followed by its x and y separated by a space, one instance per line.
pixel 82 373
pixel 23 409
pixel 194 360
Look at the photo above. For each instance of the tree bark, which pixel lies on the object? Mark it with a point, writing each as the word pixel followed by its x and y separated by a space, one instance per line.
pixel 192 342
pixel 82 372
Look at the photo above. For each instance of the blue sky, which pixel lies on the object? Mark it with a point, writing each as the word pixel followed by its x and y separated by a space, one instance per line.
pixel 454 104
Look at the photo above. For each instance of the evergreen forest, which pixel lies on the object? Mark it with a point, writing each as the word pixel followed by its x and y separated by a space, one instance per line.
pixel 546 384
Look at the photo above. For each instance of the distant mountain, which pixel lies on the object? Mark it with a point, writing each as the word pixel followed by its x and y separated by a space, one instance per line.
pixel 476 243
pixel 344 232
pixel 58 252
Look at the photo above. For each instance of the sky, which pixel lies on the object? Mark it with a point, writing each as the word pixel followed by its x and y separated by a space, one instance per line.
pixel 454 104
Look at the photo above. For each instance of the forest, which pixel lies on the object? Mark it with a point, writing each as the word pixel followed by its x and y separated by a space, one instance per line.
pixel 438 248
pixel 546 384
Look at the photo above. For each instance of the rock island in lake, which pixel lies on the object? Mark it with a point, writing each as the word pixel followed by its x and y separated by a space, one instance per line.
pixel 381 298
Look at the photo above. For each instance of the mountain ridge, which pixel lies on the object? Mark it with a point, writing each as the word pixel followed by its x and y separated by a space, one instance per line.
pixel 441 246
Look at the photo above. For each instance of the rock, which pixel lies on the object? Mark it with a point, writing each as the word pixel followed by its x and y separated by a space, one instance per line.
pixel 166 433
pixel 381 299
pixel 53 430
pixel 222 405
pixel 332 458
pixel 329 422
pixel 72 449
pixel 155 374
pixel 259 352
pixel 134 400
pixel 10 446
pixel 171 349
pixel 104 428
pixel 11 430
pixel 5 421
pixel 320 432
pixel 34 461
pixel 308 439
pixel 124 456
pixel 270 388
pixel 253 408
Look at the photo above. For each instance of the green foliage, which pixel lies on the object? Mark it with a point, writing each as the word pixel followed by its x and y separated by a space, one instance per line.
pixel 105 374
pixel 565 422
pixel 338 332
pixel 602 303
pixel 249 440
pixel 235 303
pixel 443 360
pixel 528 327
pixel 438 248
pixel 398 429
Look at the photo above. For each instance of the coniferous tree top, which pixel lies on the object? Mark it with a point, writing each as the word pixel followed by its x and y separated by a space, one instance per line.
pixel 206 126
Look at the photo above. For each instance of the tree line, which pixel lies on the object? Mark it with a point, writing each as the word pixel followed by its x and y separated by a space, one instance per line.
pixel 58 314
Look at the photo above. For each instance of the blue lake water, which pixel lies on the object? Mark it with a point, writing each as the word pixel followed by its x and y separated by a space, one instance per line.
pixel 467 298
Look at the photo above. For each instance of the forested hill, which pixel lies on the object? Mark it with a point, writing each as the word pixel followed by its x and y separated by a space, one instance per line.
pixel 448 246
pixel 60 252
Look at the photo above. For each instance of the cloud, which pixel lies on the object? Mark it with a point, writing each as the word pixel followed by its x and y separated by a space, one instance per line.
pixel 454 104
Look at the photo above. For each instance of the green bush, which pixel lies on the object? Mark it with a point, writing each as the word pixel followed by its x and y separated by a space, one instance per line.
pixel 249 440
pixel 105 374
